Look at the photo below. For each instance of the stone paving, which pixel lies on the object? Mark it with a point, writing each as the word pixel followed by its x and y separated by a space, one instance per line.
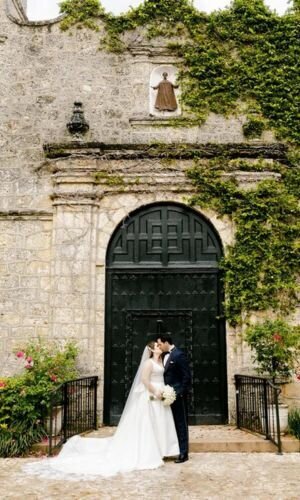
pixel 262 476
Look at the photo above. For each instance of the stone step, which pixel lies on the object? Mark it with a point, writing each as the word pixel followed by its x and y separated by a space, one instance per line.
pixel 214 438
pixel 223 438
pixel 227 438
pixel 255 445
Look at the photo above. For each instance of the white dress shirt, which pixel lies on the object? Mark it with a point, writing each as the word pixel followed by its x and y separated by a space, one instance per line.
pixel 166 357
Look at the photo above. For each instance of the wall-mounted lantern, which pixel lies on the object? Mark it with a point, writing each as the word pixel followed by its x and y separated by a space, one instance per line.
pixel 78 124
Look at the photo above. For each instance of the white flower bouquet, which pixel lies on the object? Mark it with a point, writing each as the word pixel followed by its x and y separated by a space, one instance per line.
pixel 168 395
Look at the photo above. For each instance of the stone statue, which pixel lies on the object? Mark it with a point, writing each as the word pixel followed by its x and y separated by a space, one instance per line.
pixel 165 99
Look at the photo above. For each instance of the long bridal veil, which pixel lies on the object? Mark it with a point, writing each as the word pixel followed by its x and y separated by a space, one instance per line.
pixel 136 388
pixel 134 445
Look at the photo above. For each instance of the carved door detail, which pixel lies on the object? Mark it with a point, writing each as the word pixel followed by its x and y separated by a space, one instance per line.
pixel 162 273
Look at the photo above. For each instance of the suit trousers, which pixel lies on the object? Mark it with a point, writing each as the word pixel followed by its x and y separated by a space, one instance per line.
pixel 180 415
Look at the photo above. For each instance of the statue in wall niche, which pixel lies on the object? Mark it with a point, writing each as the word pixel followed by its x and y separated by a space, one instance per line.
pixel 165 99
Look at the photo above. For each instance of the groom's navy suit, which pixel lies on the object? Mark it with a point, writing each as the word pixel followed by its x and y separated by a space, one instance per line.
pixel 177 374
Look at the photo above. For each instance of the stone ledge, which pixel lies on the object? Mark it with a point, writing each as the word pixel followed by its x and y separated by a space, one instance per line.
pixel 276 151
pixel 25 214
pixel 153 51
pixel 159 121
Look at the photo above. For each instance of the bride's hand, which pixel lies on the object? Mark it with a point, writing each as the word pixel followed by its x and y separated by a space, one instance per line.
pixel 158 394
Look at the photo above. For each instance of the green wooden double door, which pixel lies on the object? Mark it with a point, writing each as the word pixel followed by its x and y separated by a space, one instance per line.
pixel 163 276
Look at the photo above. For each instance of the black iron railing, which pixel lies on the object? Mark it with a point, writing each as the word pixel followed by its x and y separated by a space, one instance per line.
pixel 73 410
pixel 257 407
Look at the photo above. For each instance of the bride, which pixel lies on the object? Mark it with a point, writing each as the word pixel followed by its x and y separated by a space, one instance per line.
pixel 145 434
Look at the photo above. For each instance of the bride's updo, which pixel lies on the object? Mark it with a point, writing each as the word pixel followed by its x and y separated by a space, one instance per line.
pixel 151 346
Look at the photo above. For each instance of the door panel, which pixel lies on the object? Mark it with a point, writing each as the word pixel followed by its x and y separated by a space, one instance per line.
pixel 187 305
pixel 163 272
pixel 164 236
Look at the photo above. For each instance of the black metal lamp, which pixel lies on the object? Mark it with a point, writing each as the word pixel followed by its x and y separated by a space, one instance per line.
pixel 78 123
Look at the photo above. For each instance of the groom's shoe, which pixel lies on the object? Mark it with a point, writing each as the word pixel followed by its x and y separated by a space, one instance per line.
pixel 181 459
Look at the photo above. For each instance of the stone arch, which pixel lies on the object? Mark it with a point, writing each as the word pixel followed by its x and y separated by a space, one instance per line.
pixel 20 12
pixel 163 269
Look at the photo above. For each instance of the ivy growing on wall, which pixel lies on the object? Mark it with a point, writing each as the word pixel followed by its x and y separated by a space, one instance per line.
pixel 81 13
pixel 243 59
pixel 261 267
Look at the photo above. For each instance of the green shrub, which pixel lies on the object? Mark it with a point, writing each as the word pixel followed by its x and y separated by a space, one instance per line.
pixel 253 127
pixel 276 347
pixel 294 422
pixel 81 13
pixel 25 398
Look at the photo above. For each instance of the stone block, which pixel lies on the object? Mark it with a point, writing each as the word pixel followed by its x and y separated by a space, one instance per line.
pixel 63 315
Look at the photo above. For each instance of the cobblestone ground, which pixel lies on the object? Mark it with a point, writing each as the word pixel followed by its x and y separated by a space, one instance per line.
pixel 205 476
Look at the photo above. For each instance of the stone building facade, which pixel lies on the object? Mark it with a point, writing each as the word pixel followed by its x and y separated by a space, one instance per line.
pixel 62 197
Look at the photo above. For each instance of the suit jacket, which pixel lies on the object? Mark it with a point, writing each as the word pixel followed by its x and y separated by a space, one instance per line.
pixel 177 373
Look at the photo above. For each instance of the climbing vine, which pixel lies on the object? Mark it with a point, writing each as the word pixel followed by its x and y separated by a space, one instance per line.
pixel 260 269
pixel 242 60
pixel 82 13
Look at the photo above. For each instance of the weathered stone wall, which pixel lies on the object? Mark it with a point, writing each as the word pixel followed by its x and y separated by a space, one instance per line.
pixel 25 250
pixel 45 70
pixel 57 215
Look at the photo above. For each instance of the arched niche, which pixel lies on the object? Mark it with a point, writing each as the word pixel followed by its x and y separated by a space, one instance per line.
pixel 155 78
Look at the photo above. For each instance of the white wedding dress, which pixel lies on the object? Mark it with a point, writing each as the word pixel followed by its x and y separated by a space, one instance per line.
pixel 146 433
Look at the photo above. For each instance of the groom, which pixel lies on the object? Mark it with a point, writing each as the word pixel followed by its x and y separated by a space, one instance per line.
pixel 177 374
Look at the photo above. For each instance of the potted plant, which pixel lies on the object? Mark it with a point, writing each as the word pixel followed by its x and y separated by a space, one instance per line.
pixel 275 345
pixel 25 397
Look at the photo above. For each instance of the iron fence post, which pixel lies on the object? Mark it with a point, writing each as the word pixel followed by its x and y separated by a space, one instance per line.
pixel 50 427
pixel 65 406
pixel 266 410
pixel 95 401
pixel 279 444
pixel 237 393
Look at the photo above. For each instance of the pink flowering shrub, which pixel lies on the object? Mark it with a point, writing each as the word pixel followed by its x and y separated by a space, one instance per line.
pixel 25 398
pixel 276 348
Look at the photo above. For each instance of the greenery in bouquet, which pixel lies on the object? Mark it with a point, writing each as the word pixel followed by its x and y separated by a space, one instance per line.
pixel 276 348
pixel 25 397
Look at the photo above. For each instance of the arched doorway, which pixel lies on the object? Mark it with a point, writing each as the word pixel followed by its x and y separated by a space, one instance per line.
pixel 163 275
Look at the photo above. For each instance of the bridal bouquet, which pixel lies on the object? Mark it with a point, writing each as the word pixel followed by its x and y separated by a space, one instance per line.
pixel 168 395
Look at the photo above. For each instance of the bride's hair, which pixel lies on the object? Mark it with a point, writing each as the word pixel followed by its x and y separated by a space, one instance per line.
pixel 151 346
